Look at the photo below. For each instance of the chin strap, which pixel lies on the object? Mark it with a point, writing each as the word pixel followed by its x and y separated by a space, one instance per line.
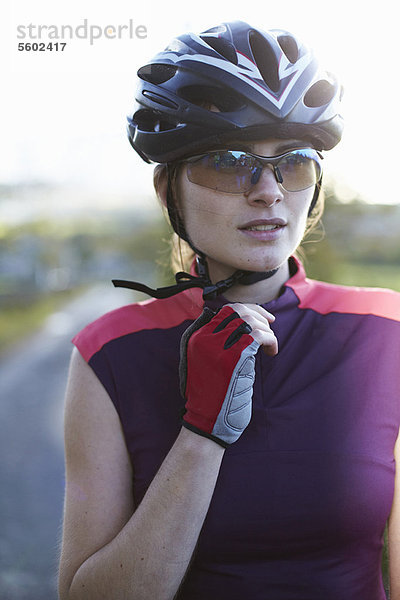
pixel 185 281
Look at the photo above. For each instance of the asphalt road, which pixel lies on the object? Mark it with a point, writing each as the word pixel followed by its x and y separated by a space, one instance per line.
pixel 32 387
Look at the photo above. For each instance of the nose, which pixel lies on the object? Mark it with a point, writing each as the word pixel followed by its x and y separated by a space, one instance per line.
pixel 266 191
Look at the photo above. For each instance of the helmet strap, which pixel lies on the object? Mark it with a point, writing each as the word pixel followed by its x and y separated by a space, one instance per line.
pixel 173 213
pixel 317 191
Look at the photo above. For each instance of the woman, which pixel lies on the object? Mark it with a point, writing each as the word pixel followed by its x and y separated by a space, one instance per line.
pixel 197 466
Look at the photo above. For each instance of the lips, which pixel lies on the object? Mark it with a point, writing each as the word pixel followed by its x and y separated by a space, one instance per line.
pixel 264 230
pixel 263 225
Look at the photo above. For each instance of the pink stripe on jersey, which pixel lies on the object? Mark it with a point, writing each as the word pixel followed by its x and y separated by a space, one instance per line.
pixel 327 297
pixel 321 297
pixel 149 314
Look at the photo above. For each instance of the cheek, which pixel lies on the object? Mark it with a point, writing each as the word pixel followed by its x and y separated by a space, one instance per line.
pixel 299 204
pixel 205 223
pixel 203 213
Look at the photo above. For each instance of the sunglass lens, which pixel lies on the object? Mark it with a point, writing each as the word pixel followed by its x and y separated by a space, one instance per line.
pixel 299 170
pixel 228 171
pixel 255 175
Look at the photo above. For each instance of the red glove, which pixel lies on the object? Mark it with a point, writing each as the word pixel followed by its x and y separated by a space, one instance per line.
pixel 217 375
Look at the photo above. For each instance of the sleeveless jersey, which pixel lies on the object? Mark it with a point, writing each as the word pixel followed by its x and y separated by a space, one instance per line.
pixel 302 498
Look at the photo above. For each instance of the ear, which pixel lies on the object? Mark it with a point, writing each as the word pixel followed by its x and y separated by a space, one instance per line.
pixel 160 182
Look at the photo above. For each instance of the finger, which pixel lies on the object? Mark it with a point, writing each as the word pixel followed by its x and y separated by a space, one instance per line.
pixel 255 319
pixel 254 309
pixel 225 322
pixel 262 311
pixel 259 319
pixel 271 350
pixel 267 340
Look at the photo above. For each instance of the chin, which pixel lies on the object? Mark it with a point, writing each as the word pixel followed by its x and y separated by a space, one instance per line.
pixel 261 260
pixel 272 261
pixel 225 270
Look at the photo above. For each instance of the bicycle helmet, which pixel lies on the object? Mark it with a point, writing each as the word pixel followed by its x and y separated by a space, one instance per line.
pixel 264 83
pixel 228 83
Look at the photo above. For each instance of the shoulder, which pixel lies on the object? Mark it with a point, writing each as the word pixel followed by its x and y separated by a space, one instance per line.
pixel 140 316
pixel 327 298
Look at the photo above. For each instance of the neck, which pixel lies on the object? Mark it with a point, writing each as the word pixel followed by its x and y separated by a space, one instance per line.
pixel 257 293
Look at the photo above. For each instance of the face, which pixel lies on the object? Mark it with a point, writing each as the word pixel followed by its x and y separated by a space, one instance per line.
pixel 256 230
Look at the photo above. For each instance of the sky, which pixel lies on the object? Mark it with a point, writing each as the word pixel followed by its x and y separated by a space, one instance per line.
pixel 63 112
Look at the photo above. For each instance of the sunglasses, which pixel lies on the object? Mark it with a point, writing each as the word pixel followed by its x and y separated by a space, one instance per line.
pixel 236 171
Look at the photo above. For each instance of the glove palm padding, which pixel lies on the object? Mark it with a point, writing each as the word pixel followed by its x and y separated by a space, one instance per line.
pixel 217 375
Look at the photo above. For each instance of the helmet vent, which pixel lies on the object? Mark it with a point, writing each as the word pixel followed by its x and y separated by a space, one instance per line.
pixel 151 121
pixel 158 99
pixel 217 29
pixel 223 47
pixel 289 47
pixel 265 60
pixel 320 93
pixel 156 74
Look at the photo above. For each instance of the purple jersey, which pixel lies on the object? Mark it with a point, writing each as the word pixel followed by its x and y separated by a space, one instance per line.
pixel 303 496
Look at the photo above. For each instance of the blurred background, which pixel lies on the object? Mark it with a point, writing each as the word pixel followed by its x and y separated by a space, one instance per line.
pixel 77 209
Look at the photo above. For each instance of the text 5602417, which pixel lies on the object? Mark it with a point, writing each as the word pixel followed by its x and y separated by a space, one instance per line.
pixel 41 46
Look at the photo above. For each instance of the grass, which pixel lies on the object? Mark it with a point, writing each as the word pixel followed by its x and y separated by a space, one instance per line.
pixel 384 276
pixel 358 274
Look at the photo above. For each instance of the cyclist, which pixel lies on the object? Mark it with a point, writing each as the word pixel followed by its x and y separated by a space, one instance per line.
pixel 197 465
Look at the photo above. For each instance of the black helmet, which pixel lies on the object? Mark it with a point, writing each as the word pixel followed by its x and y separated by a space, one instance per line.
pixel 263 83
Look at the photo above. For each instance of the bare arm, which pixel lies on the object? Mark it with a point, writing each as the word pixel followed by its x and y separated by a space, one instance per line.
pixel 110 551
pixel 394 531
